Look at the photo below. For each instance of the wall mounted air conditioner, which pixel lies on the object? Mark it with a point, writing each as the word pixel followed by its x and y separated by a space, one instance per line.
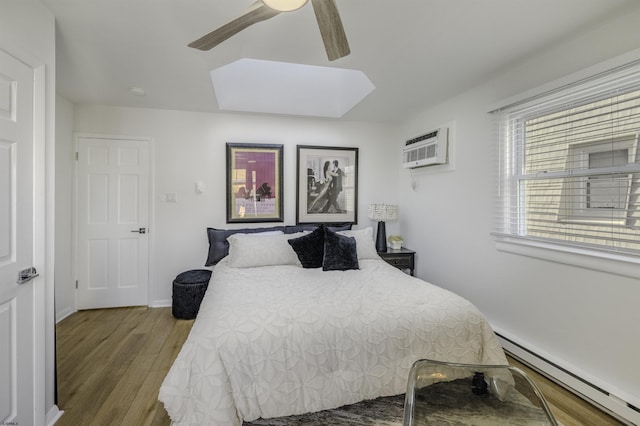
pixel 426 150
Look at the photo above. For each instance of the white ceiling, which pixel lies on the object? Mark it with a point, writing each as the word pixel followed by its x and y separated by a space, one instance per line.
pixel 416 52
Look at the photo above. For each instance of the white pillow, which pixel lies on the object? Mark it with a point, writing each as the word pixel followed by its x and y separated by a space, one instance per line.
pixel 252 250
pixel 260 234
pixel 365 247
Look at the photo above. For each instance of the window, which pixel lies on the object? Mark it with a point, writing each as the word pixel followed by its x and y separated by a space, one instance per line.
pixel 595 194
pixel 569 169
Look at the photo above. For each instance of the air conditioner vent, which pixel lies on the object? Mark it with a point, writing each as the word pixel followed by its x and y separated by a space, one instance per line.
pixel 427 149
pixel 422 138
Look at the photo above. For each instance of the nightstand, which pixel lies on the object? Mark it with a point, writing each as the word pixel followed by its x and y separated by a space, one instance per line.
pixel 402 258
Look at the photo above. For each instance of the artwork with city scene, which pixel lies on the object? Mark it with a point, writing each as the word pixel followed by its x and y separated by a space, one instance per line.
pixel 254 183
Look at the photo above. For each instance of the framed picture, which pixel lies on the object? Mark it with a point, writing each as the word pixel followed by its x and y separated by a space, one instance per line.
pixel 326 184
pixel 254 183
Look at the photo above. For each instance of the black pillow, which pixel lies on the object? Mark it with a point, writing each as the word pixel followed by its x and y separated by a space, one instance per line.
pixel 340 252
pixel 219 246
pixel 310 248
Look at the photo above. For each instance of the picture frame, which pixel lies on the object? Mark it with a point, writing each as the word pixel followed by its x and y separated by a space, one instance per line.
pixel 254 183
pixel 326 184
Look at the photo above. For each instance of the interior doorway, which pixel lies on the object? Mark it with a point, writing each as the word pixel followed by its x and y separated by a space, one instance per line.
pixel 112 221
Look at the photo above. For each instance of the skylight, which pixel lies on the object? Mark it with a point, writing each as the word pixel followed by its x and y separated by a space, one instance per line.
pixel 253 85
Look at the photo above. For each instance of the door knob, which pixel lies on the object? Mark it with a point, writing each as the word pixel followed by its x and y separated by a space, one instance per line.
pixel 140 231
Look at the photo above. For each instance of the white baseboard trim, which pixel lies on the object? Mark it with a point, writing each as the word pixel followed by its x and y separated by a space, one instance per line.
pixel 64 313
pixel 578 384
pixel 155 304
pixel 53 415
pixel 161 303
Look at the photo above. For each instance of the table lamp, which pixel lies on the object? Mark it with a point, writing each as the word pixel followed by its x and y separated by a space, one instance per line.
pixel 382 213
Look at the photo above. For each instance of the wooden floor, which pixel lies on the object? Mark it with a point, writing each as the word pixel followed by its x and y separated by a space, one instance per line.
pixel 567 408
pixel 111 363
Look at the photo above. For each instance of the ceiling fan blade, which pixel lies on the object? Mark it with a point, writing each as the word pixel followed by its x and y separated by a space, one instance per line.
pixel 257 12
pixel 331 29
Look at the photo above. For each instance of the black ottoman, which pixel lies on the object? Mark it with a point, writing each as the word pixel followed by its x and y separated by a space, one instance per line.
pixel 188 291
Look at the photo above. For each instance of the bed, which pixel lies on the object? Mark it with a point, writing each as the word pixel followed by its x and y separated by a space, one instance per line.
pixel 278 335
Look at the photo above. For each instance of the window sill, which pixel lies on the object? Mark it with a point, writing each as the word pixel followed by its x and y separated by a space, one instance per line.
pixel 619 264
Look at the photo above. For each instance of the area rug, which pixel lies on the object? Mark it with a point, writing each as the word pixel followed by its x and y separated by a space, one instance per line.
pixel 457 405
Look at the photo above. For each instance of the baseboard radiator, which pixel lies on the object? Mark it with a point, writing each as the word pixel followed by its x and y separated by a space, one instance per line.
pixel 617 407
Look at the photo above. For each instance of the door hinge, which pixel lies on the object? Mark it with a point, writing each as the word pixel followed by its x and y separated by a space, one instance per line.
pixel 76 284
pixel 77 156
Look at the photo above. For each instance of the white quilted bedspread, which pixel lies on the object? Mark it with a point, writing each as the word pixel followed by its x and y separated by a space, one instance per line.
pixel 282 340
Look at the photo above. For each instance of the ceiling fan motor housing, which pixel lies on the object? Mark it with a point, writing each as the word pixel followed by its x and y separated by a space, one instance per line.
pixel 285 5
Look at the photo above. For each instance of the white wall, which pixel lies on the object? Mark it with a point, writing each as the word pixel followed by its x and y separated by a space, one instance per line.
pixel 586 321
pixel 27 32
pixel 190 147
pixel 65 303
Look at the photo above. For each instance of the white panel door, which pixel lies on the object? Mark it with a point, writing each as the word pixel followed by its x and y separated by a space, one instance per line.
pixel 113 180
pixel 17 362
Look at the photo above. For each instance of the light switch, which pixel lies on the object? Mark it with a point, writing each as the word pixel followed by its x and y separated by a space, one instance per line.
pixel 199 187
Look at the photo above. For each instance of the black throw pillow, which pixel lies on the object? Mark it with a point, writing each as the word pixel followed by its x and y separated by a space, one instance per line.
pixel 340 252
pixel 310 248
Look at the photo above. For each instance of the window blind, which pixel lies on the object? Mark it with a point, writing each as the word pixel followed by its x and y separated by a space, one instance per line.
pixel 569 167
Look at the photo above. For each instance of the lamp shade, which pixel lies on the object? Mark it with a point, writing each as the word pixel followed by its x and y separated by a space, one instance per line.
pixel 383 212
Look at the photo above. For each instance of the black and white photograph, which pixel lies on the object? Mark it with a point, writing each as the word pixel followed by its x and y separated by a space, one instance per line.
pixel 327 184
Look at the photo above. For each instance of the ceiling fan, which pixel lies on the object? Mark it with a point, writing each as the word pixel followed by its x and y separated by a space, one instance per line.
pixel 329 22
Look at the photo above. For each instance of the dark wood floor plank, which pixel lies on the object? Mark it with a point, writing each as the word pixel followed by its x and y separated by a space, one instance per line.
pixel 145 406
pixel 94 392
pixel 116 405
pixel 172 345
pixel 161 327
pixel 92 356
